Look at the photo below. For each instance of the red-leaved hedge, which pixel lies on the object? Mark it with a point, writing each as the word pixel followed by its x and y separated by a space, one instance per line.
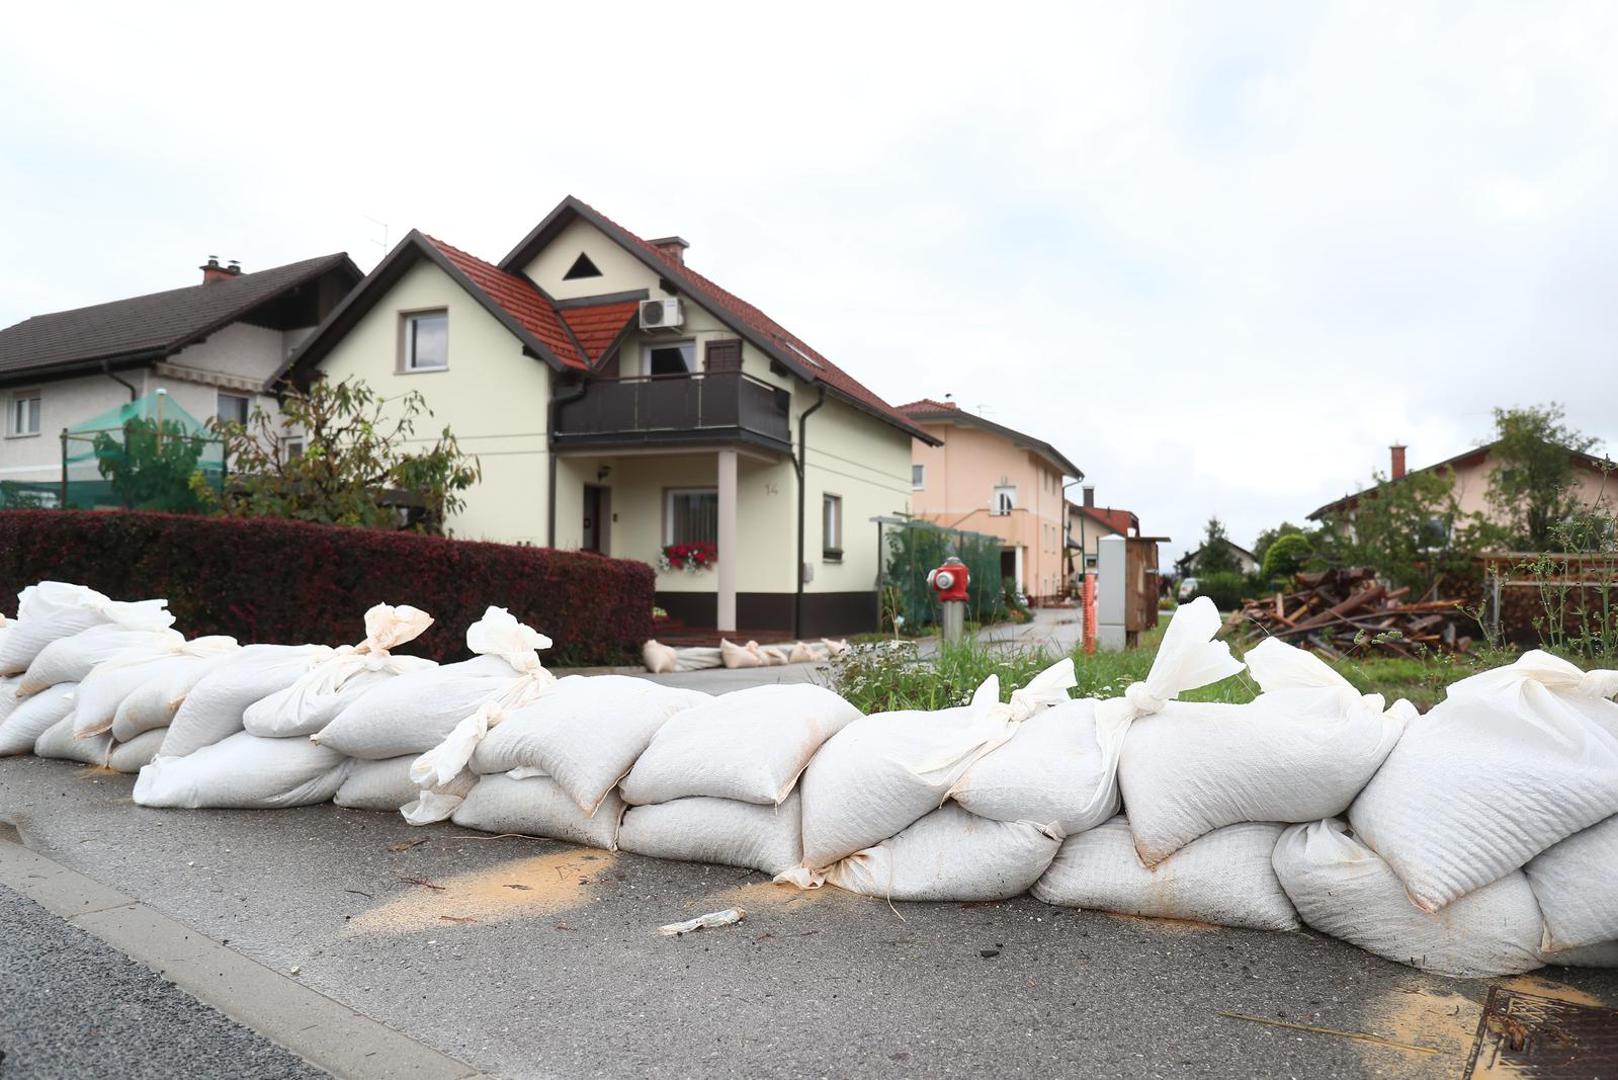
pixel 268 580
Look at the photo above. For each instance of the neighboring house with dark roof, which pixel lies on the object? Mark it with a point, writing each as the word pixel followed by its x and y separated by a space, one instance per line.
pixel 1087 523
pixel 620 402
pixel 210 346
pixel 1190 564
pixel 979 475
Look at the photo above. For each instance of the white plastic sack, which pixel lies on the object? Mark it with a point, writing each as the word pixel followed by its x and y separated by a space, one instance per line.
pixel 750 745
pixel 133 756
pixel 322 692
pixel 951 855
pixel 1048 772
pixel 32 718
pixel 749 655
pixel 722 831
pixel 585 732
pixel 71 659
pixel 659 659
pixel 1300 752
pixel 386 785
pixel 537 806
pixel 56 609
pixel 154 703
pixel 1512 761
pixel 59 742
pixel 112 681
pixel 1340 887
pixel 883 772
pixel 214 708
pixel 1224 877
pixel 8 696
pixel 1576 884
pixel 244 772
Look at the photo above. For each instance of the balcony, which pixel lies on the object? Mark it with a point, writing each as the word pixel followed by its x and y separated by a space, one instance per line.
pixel 673 409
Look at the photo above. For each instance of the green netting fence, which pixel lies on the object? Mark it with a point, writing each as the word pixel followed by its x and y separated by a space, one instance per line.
pixel 910 548
pixel 149 454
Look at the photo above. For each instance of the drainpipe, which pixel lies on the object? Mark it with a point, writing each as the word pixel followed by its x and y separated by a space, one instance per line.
pixel 106 369
pixel 550 446
pixel 797 464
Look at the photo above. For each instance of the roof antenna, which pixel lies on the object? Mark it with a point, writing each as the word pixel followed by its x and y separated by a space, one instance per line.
pixel 383 226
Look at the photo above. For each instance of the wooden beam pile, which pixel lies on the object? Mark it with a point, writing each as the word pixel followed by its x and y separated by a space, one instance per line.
pixel 1348 611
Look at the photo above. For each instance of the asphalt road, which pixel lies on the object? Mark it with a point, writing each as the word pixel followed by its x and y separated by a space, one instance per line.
pixel 71 1006
pixel 528 958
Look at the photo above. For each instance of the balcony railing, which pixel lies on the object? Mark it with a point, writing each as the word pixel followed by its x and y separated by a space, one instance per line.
pixel 713 406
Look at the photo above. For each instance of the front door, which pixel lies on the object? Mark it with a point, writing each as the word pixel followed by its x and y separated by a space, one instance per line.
pixel 595 524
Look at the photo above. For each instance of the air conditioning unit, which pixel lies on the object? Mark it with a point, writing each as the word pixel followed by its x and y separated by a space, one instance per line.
pixel 660 315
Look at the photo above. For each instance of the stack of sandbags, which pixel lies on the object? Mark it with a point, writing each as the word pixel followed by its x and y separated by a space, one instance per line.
pixel 427 723
pixel 215 707
pixel 1512 765
pixel 125 703
pixel 552 767
pixel 716 782
pixel 23 722
pixel 53 610
pixel 275 764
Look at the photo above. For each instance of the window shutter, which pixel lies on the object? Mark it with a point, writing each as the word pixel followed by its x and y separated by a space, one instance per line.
pixel 723 355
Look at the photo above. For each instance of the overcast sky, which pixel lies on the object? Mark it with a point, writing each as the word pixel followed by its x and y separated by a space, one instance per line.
pixel 1221 255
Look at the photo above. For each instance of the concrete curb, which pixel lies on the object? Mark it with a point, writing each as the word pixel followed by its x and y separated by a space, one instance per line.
pixel 324 1032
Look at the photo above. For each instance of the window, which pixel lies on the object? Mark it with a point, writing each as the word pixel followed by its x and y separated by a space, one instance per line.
pixel 691 516
pixel 25 412
pixel 293 449
pixel 233 408
pixel 918 478
pixel 426 341
pixel 582 268
pixel 831 527
pixel 675 358
pixel 1005 499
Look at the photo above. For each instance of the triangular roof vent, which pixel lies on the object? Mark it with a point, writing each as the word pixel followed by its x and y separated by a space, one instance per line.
pixel 582 268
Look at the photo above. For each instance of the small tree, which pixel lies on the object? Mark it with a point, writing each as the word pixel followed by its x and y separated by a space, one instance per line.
pixel 1218 556
pixel 1411 530
pixel 1266 537
pixel 354 461
pixel 1533 488
pixel 152 467
pixel 1286 555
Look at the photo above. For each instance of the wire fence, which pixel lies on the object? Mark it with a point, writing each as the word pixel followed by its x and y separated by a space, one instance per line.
pixel 910 548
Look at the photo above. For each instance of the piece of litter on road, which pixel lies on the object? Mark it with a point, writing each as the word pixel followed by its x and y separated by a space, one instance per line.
pixel 406 845
pixel 728 917
pixel 296 969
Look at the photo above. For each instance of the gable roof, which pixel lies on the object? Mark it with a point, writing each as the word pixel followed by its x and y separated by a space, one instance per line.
pixel 743 318
pixel 926 409
pixel 1118 521
pixel 1189 557
pixel 514 301
pixel 597 327
pixel 1464 459
pixel 144 329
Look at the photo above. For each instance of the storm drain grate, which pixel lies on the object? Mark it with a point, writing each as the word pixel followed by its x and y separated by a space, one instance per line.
pixel 1525 1035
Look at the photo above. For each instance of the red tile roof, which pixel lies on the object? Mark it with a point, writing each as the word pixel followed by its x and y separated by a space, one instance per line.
pixel 926 405
pixel 598 326
pixel 1119 521
pixel 518 297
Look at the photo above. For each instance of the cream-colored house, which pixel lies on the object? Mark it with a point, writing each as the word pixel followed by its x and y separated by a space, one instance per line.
pixel 208 347
pixel 622 403
pixel 975 474
pixel 1087 523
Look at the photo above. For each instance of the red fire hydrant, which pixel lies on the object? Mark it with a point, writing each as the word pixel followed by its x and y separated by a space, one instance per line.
pixel 949 581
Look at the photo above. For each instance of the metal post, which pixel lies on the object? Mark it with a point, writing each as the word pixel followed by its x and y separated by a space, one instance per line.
pixel 954 621
pixel 1088 591
pixel 61 503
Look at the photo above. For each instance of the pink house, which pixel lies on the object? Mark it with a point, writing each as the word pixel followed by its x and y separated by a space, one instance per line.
pixel 991 479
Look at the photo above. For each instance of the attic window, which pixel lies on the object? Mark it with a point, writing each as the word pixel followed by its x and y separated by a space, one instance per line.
pixel 582 268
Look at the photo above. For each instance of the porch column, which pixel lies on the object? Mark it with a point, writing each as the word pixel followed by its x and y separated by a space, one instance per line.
pixel 729 555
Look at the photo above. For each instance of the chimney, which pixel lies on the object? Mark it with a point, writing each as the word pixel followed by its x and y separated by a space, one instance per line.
pixel 1089 496
pixel 212 271
pixel 1398 462
pixel 671 248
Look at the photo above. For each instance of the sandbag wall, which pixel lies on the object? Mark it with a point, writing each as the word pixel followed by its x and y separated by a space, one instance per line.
pixel 1479 839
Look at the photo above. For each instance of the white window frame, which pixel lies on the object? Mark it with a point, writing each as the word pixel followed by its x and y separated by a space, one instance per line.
pixel 918 477
pixel 668 508
pixel 247 411
pixel 1006 491
pixel 18 397
pixel 407 340
pixel 832 551
pixel 688 353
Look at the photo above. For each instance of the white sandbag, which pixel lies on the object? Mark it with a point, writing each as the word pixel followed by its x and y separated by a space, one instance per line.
pixel 243 772
pixel 1512 761
pixel 733 655
pixel 1048 772
pixel 659 659
pixel 112 681
pixel 750 745
pixel 418 711
pixel 1224 877
pixel 883 772
pixel 133 756
pixel 59 742
pixel 8 696
pixel 1576 884
pixel 722 831
pixel 32 718
pixel 1604 955
pixel 585 732
pixel 56 609
pixel 386 785
pixel 1299 752
pixel 320 693
pixel 1340 887
pixel 71 659
pixel 951 855
pixel 154 703
pixel 214 708
pixel 537 806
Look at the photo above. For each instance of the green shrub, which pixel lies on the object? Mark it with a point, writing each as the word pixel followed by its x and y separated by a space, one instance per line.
pixel 1287 555
pixel 1226 588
